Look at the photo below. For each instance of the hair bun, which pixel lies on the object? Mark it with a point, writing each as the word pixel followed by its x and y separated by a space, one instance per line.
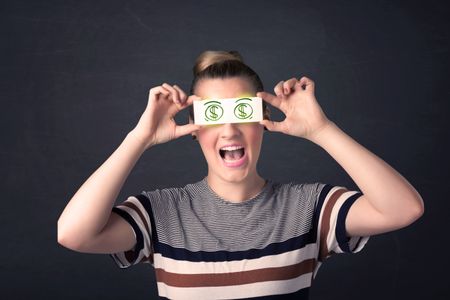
pixel 210 57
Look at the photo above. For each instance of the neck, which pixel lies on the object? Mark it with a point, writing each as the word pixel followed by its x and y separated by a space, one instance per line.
pixel 236 192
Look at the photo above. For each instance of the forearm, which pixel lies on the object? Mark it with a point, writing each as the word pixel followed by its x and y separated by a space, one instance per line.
pixel 89 209
pixel 388 191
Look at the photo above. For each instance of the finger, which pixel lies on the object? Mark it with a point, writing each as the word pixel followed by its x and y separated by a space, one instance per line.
pixel 177 107
pixel 271 99
pixel 278 89
pixel 272 125
pixel 173 92
pixel 289 85
pixel 181 130
pixel 181 93
pixel 306 83
pixel 154 92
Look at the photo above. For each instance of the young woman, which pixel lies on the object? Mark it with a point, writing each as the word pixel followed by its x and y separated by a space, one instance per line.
pixel 235 234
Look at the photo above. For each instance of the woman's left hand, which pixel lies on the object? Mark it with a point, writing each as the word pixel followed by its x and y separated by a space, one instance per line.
pixel 296 99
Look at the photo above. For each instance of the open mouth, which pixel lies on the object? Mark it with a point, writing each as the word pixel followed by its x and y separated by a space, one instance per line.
pixel 232 153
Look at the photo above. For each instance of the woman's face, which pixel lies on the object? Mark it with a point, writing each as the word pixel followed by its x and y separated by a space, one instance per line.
pixel 231 150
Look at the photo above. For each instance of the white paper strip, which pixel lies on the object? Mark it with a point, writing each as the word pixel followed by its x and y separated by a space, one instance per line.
pixel 233 110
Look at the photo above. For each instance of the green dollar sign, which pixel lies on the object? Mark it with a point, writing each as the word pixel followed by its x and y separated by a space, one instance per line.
pixel 213 113
pixel 242 112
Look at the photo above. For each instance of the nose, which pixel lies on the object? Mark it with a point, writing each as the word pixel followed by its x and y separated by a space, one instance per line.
pixel 229 130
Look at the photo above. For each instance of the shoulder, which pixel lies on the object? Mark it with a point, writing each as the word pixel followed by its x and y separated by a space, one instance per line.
pixel 309 190
pixel 174 194
pixel 298 195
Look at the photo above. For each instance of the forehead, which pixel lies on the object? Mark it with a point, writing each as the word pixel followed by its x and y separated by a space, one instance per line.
pixel 218 88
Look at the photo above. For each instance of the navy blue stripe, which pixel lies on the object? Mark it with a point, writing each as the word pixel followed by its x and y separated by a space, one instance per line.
pixel 323 194
pixel 145 202
pixel 216 256
pixel 137 230
pixel 341 234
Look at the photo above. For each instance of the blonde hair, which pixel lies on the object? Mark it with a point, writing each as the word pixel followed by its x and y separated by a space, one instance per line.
pixel 223 64
pixel 207 58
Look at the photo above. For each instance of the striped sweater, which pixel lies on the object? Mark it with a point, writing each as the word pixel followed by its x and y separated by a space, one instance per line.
pixel 268 247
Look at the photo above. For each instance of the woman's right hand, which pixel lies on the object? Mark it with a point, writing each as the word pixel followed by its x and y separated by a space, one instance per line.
pixel 157 124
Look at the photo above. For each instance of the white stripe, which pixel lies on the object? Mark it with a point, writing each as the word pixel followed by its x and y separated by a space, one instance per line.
pixel 324 205
pixel 146 238
pixel 354 239
pixel 120 260
pixel 138 203
pixel 332 242
pixel 137 218
pixel 318 265
pixel 270 261
pixel 237 291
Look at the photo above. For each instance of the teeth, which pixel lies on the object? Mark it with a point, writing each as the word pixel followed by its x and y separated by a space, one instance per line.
pixel 231 148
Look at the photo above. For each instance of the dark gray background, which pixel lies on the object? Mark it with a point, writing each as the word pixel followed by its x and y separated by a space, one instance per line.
pixel 75 77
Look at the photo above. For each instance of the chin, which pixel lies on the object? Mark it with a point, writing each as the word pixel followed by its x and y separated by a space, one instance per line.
pixel 235 177
pixel 232 176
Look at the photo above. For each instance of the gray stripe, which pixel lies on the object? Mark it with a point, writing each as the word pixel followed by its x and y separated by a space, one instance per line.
pixel 196 219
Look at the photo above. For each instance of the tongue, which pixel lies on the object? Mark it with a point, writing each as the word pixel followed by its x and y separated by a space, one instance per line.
pixel 233 155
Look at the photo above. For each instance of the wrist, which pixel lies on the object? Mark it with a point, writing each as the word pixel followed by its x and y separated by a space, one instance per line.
pixel 138 141
pixel 322 133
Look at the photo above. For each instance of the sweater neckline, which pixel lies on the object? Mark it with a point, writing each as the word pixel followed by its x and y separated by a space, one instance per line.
pixel 250 201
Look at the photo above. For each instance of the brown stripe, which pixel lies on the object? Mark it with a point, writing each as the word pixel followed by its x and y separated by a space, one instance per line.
pixel 235 278
pixel 129 255
pixel 325 228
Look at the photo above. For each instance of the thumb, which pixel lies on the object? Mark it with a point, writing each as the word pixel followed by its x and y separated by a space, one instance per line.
pixel 181 130
pixel 272 126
